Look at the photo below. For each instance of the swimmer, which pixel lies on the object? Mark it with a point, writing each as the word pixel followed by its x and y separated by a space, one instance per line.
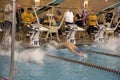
pixel 74 49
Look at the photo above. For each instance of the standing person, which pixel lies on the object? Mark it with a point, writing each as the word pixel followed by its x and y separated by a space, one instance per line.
pixel 28 17
pixel 8 16
pixel 18 18
pixel 118 13
pixel 1 19
pixel 58 17
pixel 84 16
pixel 92 23
pixel 69 17
pixel 78 19
pixel 22 23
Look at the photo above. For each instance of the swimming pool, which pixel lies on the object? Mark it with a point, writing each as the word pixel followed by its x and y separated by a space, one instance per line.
pixel 56 69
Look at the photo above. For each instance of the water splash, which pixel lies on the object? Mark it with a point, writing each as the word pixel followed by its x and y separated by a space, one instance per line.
pixel 51 46
pixel 31 55
pixel 35 55
pixel 110 44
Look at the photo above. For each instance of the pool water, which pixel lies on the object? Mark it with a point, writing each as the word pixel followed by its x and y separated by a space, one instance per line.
pixel 55 69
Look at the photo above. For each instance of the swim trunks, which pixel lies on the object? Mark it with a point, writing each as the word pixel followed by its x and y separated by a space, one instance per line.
pixel 77 50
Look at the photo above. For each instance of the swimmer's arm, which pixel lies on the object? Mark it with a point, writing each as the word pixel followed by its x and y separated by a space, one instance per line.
pixel 81 54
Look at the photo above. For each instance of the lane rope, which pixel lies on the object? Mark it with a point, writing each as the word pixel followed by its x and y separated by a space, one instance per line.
pixel 86 64
pixel 114 55
pixel 103 53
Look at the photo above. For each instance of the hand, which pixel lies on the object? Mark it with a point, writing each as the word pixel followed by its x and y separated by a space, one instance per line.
pixel 82 55
pixel 85 56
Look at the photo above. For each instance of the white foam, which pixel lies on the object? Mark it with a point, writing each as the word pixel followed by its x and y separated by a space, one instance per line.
pixel 52 45
pixel 110 44
pixel 32 55
pixel 35 55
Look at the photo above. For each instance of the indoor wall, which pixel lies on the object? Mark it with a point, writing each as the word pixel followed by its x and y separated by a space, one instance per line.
pixel 96 5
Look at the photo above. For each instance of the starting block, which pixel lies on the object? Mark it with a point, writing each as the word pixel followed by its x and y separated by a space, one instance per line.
pixel 71 35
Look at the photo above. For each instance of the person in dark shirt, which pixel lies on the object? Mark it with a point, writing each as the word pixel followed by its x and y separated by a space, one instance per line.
pixel 109 17
pixel 78 20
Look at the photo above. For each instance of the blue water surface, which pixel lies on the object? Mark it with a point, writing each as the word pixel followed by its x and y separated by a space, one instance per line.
pixel 55 69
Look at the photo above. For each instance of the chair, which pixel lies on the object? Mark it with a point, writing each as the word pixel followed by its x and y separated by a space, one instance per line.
pixel 54 29
pixel 111 30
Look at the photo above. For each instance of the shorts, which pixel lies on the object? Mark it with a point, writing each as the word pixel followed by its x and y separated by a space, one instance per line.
pixel 78 50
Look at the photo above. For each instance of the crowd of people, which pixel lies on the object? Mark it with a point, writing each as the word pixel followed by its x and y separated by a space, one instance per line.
pixel 79 17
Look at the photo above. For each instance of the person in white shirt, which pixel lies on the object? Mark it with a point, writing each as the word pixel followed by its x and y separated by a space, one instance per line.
pixel 69 17
pixel 8 18
pixel 8 15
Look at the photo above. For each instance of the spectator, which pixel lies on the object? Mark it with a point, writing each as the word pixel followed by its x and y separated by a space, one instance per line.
pixel 58 17
pixel 92 23
pixel 28 17
pixel 78 19
pixel 118 13
pixel 69 17
pixel 84 16
pixel 108 17
pixel 1 19
pixel 18 18
pixel 8 16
